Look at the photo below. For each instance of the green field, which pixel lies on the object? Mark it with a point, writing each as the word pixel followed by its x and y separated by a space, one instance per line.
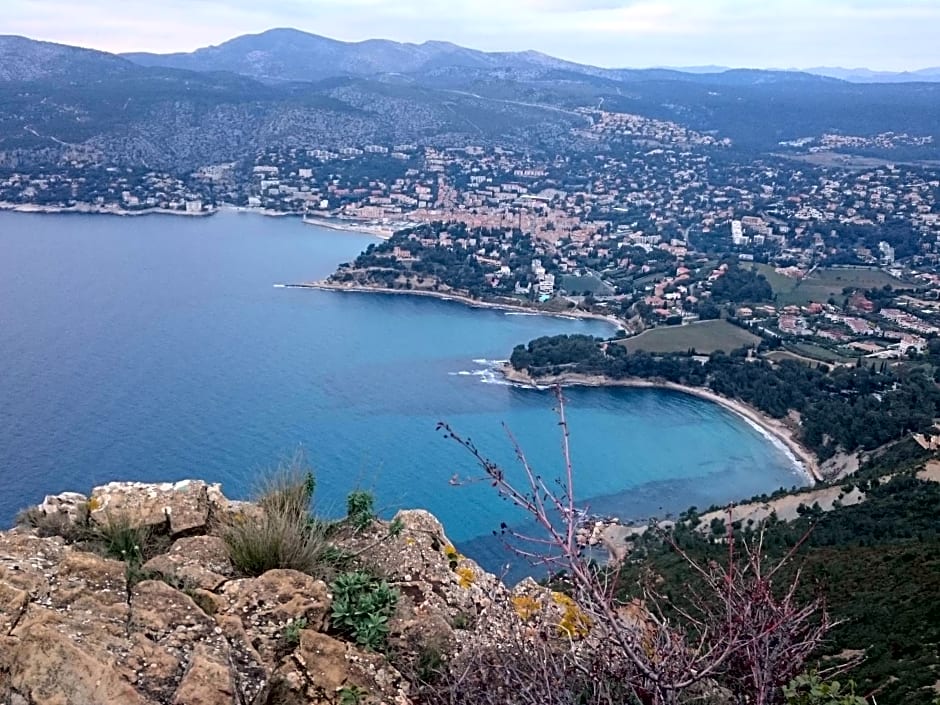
pixel 705 337
pixel 818 352
pixel 824 284
pixel 578 285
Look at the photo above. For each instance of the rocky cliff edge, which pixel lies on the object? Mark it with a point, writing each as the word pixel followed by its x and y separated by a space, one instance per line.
pixel 184 628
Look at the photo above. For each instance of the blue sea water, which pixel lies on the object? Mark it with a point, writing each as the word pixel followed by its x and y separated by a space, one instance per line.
pixel 157 348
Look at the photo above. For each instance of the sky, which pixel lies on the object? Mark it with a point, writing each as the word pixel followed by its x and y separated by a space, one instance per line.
pixel 878 34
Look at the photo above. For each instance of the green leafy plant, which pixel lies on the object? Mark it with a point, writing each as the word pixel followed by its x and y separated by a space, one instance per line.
pixel 360 509
pixel 351 695
pixel 362 606
pixel 395 527
pixel 291 633
pixel 810 689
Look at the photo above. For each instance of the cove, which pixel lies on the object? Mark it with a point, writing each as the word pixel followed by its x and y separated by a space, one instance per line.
pixel 157 348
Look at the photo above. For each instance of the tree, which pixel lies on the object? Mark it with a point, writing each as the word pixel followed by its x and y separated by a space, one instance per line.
pixel 739 630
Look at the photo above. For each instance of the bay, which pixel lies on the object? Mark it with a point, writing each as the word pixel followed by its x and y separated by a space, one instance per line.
pixel 157 348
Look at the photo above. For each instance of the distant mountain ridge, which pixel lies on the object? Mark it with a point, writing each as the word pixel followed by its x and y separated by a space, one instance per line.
pixel 286 54
pixel 287 88
pixel 292 55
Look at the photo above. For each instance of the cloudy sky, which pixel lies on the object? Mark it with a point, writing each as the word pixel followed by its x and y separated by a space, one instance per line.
pixel 880 34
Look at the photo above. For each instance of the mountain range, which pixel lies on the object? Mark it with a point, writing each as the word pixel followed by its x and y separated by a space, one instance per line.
pixel 291 55
pixel 289 88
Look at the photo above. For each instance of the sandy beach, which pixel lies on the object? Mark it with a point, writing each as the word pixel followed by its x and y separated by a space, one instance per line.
pixel 774 427
pixel 446 296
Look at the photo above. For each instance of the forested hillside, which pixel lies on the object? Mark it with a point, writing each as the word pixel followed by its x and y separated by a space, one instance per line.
pixel 877 564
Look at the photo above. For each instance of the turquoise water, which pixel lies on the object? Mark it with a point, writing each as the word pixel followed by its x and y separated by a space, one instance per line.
pixel 157 348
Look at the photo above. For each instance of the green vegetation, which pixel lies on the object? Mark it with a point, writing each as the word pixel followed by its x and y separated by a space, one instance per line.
pixel 360 509
pixel 811 690
pixel 741 285
pixel 279 532
pixel 846 408
pixel 362 606
pixel 123 539
pixel 817 352
pixel 292 632
pixel 704 338
pixel 780 284
pixel 878 566
pixel 826 283
pixel 351 695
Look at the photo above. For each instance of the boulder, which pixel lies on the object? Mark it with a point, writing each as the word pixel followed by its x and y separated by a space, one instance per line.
pixel 72 505
pixel 182 507
pixel 45 665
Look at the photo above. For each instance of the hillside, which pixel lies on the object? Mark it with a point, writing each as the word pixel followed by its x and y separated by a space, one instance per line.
pixel 285 88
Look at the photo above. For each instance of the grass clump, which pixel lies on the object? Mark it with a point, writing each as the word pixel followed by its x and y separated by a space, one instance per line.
pixel 120 538
pixel 280 532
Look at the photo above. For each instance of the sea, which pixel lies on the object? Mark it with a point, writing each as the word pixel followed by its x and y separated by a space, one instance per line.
pixel 158 348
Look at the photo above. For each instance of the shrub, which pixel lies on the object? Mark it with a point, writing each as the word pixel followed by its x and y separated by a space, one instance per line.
pixel 288 489
pixel 360 509
pixel 351 695
pixel 811 690
pixel 362 605
pixel 274 539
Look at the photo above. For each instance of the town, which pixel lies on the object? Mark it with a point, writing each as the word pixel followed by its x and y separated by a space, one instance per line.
pixel 824 257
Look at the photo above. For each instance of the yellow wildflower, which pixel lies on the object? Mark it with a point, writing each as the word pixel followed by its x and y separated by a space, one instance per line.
pixel 466 576
pixel 526 607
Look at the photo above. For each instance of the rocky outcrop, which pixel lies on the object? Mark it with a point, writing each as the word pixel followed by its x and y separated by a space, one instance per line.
pixel 182 627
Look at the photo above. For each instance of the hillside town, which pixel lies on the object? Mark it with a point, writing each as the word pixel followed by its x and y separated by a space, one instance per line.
pixel 650 224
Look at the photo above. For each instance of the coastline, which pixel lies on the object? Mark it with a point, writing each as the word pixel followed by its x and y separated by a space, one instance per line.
pixel 458 298
pixel 772 427
pixel 350 226
pixel 90 209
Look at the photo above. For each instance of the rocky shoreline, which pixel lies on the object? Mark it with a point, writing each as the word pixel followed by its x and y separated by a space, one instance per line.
pixel 775 428
pixel 91 209
pixel 328 285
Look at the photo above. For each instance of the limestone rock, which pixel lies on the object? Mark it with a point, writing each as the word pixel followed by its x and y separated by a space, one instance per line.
pixel 85 578
pixel 207 681
pixel 181 506
pixel 46 666
pixel 429 572
pixel 323 666
pixel 166 614
pixel 197 562
pixel 268 604
pixel 73 505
